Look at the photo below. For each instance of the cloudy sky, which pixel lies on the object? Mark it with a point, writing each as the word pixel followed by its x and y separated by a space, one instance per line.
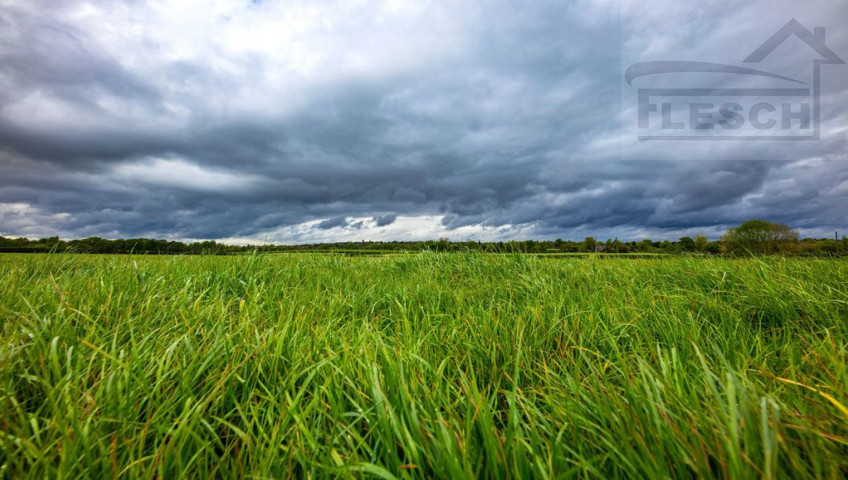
pixel 300 121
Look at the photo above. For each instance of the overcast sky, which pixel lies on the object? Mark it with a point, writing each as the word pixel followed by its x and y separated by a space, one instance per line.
pixel 289 121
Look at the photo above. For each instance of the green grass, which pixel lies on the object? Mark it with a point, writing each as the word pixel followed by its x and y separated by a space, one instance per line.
pixel 422 366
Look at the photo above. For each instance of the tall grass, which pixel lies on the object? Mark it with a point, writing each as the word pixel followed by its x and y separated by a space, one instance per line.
pixel 422 366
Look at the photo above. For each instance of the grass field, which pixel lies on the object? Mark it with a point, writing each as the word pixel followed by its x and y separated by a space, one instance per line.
pixel 421 366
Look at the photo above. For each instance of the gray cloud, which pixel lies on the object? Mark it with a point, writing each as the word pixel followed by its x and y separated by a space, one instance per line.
pixel 384 220
pixel 332 223
pixel 244 121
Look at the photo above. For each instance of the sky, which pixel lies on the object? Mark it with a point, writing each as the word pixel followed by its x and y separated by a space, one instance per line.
pixel 316 121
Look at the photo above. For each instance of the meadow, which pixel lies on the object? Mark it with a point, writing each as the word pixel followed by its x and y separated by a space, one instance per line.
pixel 422 365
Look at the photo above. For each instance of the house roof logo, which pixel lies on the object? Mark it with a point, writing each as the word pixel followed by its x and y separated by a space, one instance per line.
pixel 814 39
pixel 732 116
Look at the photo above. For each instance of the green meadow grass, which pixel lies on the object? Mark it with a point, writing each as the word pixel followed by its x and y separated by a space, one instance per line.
pixel 422 366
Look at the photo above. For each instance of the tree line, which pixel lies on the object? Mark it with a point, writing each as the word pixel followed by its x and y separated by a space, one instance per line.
pixel 751 237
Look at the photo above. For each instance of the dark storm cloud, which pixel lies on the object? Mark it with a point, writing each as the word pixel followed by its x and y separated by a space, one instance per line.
pixel 332 223
pixel 212 121
pixel 384 220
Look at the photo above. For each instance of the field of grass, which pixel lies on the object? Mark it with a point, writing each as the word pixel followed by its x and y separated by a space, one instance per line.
pixel 421 366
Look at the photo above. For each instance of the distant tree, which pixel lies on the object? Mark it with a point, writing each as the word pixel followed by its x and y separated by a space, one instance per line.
pixel 829 246
pixel 558 244
pixel 48 242
pixel 760 236
pixel 700 243
pixel 645 245
pixel 589 244
pixel 686 244
pixel 615 246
